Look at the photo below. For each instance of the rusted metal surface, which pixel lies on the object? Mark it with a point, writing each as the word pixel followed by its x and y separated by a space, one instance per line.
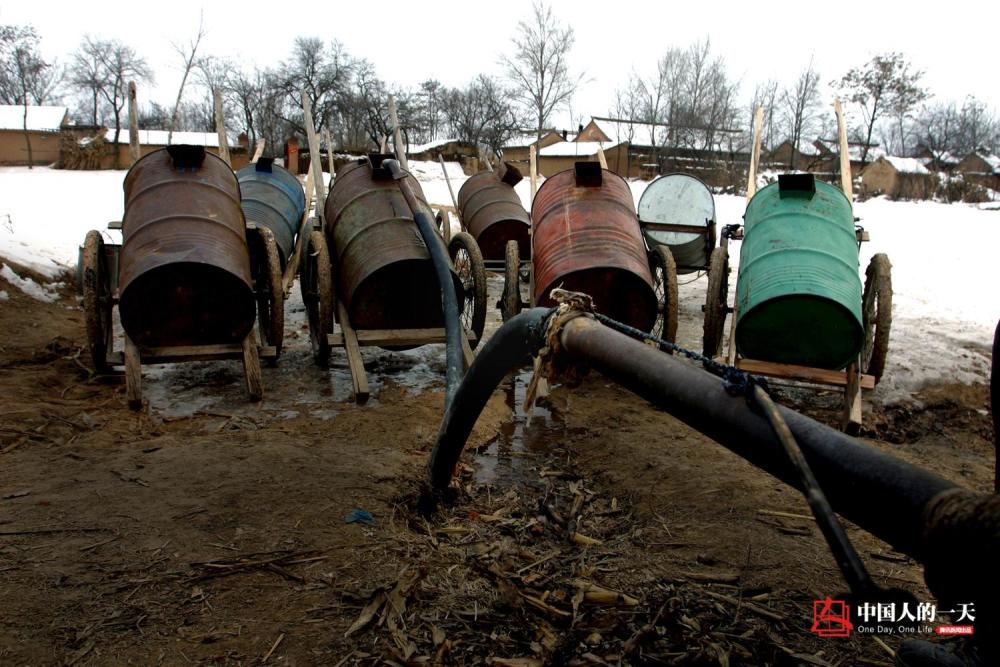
pixel 272 197
pixel 587 239
pixel 493 213
pixel 185 268
pixel 383 270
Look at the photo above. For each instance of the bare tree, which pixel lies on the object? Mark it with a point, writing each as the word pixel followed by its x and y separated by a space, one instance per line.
pixel 323 73
pixel 119 64
pixel 25 78
pixel 86 72
pixel 885 84
pixel 538 69
pixel 189 54
pixel 766 95
pixel 481 114
pixel 799 102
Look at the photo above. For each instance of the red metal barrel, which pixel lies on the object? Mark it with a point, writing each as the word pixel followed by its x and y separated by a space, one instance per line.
pixel 587 239
pixel 384 272
pixel 184 267
pixel 493 213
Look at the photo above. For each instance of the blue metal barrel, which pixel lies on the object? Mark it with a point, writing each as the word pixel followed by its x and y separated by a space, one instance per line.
pixel 272 197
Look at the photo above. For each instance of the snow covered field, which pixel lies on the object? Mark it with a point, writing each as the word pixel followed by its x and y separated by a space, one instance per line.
pixel 943 255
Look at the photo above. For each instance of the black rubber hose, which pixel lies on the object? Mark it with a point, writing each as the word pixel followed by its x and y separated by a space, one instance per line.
pixel 442 267
pixel 519 338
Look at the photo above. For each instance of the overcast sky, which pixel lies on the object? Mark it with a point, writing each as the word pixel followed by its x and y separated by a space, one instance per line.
pixel 954 43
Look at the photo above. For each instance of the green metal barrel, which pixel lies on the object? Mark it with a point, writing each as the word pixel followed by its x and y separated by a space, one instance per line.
pixel 798 293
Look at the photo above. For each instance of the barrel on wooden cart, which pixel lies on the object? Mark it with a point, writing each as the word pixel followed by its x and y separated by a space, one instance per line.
pixel 798 292
pixel 384 271
pixel 682 200
pixel 185 267
pixel 587 239
pixel 492 212
pixel 273 198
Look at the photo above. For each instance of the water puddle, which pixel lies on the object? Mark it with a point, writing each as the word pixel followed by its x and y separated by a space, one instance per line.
pixel 511 456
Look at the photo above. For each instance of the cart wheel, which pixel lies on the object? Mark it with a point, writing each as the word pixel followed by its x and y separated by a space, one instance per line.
pixel 251 368
pixel 270 295
pixel 133 375
pixel 665 277
pixel 510 300
pixel 716 302
pixel 876 315
pixel 467 261
pixel 97 301
pixel 316 283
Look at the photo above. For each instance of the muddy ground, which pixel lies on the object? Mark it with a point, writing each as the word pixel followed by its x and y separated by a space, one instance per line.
pixel 206 529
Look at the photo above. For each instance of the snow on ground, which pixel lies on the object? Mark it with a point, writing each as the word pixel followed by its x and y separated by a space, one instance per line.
pixel 943 256
pixel 47 293
pixel 45 213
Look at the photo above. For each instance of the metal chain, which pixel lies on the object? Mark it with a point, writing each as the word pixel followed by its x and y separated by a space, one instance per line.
pixel 737 382
pixel 741 383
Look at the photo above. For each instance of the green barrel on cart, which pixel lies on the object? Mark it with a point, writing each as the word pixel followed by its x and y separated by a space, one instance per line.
pixel 798 293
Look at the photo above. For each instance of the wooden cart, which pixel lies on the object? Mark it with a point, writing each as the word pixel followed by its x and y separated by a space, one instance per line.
pixel 863 372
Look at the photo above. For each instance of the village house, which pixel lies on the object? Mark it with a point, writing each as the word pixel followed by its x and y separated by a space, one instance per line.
pixel 982 168
pixel 151 140
pixel 898 178
pixel 516 151
pixel 44 125
pixel 452 150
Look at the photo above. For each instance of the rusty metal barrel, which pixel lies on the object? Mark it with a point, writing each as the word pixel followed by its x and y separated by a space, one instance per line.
pixel 184 267
pixel 272 197
pixel 587 239
pixel 493 214
pixel 383 270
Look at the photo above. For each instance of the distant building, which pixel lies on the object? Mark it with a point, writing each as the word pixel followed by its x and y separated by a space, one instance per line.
pixel 982 168
pixel 829 154
pixel 453 150
pixel 517 149
pixel 151 140
pixel 898 178
pixel 804 157
pixel 937 160
pixel 44 125
pixel 563 155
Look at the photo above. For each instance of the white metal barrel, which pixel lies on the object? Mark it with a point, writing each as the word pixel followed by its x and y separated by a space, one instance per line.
pixel 679 199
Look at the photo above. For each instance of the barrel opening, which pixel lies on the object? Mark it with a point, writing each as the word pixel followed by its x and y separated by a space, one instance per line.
pixel 802 186
pixel 186 156
pixel 379 172
pixel 187 303
pixel 510 174
pixel 265 165
pixel 588 174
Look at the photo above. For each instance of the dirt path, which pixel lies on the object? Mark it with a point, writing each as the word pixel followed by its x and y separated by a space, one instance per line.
pixel 207 529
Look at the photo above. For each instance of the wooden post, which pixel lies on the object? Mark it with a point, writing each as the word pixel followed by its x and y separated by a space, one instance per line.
pixel 485 159
pixel 133 124
pixel 846 180
pixel 601 157
pixel 329 152
pixel 758 123
pixel 383 146
pixel 292 266
pixel 260 149
pixel 220 127
pixel 446 222
pixel 533 168
pixel 397 136
pixel 315 162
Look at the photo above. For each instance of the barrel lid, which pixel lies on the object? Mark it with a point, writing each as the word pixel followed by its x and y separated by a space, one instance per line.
pixel 679 199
